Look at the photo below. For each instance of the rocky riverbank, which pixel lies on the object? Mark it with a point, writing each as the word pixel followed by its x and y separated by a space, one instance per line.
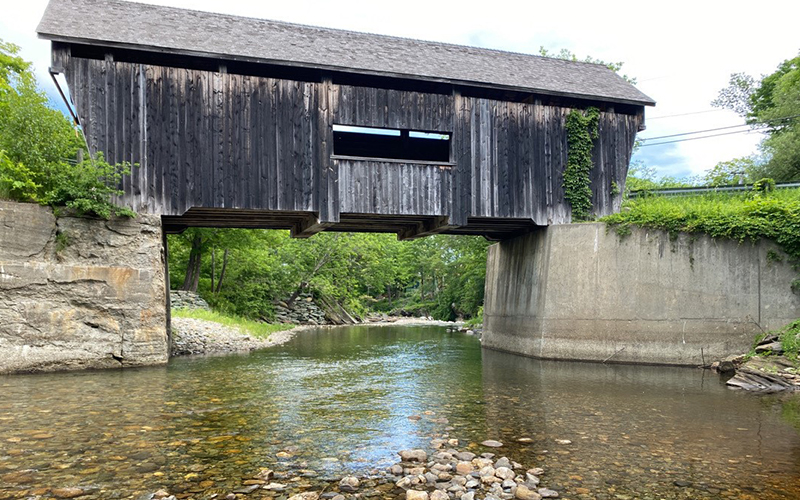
pixel 768 371
pixel 445 474
pixel 192 336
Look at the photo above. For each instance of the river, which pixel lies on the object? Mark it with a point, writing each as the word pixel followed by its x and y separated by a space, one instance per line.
pixel 338 401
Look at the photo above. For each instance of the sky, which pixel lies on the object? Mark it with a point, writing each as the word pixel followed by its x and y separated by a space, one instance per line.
pixel 681 52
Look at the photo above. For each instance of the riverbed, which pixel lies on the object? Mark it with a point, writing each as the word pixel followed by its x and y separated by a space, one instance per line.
pixel 343 401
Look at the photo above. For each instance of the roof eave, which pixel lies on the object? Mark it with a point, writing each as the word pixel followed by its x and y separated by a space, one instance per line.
pixel 165 50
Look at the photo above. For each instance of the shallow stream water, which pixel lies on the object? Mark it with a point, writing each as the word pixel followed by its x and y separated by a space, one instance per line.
pixel 338 401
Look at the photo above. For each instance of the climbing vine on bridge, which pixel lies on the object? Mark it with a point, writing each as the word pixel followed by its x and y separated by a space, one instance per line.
pixel 581 134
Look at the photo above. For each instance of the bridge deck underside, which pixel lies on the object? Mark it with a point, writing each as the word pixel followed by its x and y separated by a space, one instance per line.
pixel 304 224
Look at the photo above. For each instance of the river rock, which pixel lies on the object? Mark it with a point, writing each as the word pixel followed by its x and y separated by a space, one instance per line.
pixel 413 455
pixel 275 487
pixel 502 462
pixel 470 495
pixel 548 493
pixel 396 469
pixel 465 456
pixel 531 479
pixel 307 495
pixel 439 495
pixel 491 443
pixel 67 492
pixel 246 490
pixel 524 493
pixel 265 474
pixel 349 484
pixel 414 495
pixel 464 468
pixel 504 473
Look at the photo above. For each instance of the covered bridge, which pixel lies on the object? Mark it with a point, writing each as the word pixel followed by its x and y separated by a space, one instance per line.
pixel 240 122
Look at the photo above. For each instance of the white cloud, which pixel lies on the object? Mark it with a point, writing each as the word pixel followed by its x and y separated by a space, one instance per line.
pixel 682 52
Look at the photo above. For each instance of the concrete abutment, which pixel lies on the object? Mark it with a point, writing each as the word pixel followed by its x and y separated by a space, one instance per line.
pixel 581 292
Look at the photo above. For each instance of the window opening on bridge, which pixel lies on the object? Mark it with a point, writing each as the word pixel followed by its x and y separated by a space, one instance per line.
pixel 396 144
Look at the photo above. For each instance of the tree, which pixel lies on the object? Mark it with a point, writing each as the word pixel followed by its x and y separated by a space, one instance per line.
pixel 745 170
pixel 568 55
pixel 39 148
pixel 771 104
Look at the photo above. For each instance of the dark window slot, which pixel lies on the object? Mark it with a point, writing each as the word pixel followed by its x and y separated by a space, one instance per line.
pixel 392 144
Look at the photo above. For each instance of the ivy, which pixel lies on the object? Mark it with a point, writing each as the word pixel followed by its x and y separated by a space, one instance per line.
pixel 581 134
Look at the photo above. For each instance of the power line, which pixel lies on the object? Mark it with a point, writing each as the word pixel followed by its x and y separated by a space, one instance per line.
pixel 686 114
pixel 784 118
pixel 696 138
pixel 695 132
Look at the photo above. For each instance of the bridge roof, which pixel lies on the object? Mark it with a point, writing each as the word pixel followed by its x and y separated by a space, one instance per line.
pixel 146 27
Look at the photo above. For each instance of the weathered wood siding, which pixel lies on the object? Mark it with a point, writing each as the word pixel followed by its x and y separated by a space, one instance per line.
pixel 217 140
pixel 392 188
pixel 202 139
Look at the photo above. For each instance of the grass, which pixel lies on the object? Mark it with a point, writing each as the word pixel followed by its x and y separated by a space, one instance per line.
pixel 748 216
pixel 254 328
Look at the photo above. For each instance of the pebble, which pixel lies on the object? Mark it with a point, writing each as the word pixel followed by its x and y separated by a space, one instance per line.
pixel 439 495
pixel 307 495
pixel 464 468
pixel 414 495
pixel 349 484
pixel 491 443
pixel 413 455
pixel 525 493
pixel 547 493
pixel 197 336
pixel 275 487
pixel 67 492
pixel 246 490
pixel 465 456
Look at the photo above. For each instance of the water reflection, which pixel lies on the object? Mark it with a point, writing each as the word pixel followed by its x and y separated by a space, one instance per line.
pixel 338 401
pixel 639 429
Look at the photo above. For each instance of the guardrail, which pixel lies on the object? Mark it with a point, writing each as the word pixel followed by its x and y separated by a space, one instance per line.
pixel 705 189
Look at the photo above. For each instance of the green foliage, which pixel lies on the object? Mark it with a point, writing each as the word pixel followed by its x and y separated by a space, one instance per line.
pixel 643 179
pixel 773 256
pixel 39 149
pixel 476 321
pixel 742 217
pixel 765 185
pixel 789 337
pixel 733 172
pixel 772 103
pixel 255 328
pixel 62 241
pixel 581 134
pixel 568 55
pixel 442 276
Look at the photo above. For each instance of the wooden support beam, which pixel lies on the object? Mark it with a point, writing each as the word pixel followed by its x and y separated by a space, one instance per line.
pixel 435 225
pixel 309 226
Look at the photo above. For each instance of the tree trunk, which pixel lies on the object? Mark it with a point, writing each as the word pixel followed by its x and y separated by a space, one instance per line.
pixel 222 271
pixel 213 266
pixel 193 266
pixel 300 288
